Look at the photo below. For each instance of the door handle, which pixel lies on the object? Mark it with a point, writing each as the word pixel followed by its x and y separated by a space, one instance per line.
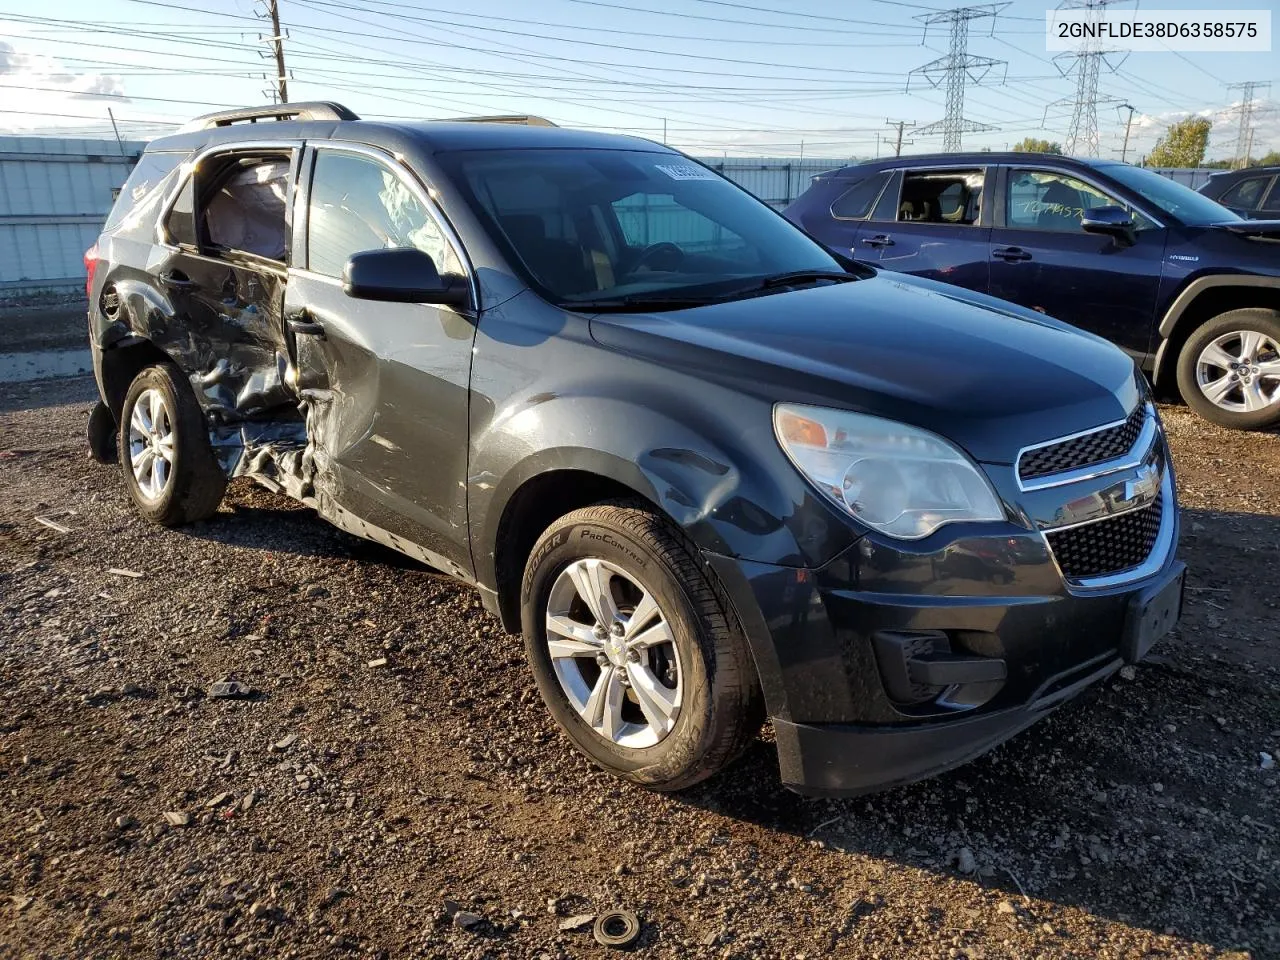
pixel 1010 254
pixel 300 324
pixel 879 240
pixel 177 280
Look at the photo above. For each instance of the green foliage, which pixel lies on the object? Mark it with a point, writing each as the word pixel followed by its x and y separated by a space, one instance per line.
pixel 1183 145
pixel 1032 145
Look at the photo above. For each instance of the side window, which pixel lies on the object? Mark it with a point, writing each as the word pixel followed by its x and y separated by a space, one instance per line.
pixel 139 200
pixel 856 202
pixel 245 212
pixel 1245 194
pixel 1271 205
pixel 887 205
pixel 1044 200
pixel 180 226
pixel 941 196
pixel 357 204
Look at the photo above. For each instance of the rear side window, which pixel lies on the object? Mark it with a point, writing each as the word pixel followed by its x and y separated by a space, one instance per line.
pixel 1271 205
pixel 942 196
pixel 1246 193
pixel 856 202
pixel 139 200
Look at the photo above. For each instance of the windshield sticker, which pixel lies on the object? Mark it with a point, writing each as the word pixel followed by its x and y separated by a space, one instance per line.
pixel 686 171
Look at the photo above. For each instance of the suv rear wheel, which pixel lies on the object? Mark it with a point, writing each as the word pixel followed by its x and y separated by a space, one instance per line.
pixel 1229 369
pixel 632 650
pixel 169 466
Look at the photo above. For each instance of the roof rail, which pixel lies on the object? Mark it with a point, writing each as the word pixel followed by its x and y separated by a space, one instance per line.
pixel 315 110
pixel 528 121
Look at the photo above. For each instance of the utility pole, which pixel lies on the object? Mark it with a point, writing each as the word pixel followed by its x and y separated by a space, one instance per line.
pixel 280 90
pixel 1244 137
pixel 898 141
pixel 958 68
pixel 1086 63
pixel 1124 151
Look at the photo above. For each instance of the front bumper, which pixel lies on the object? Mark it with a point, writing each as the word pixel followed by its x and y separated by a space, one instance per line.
pixel 816 636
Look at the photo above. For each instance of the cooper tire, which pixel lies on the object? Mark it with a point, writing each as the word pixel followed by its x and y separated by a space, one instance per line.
pixel 721 707
pixel 1198 372
pixel 160 405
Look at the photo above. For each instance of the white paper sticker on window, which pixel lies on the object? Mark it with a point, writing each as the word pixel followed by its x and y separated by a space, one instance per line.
pixel 686 171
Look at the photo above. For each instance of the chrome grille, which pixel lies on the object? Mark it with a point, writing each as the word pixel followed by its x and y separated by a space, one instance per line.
pixel 1108 546
pixel 1096 447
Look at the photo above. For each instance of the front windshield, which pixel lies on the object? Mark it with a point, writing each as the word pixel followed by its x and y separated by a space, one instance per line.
pixel 1193 209
pixel 593 226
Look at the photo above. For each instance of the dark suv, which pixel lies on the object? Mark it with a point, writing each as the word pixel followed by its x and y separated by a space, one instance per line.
pixel 1178 281
pixel 1253 192
pixel 706 468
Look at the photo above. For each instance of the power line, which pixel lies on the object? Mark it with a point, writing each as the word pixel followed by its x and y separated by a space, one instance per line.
pixel 958 67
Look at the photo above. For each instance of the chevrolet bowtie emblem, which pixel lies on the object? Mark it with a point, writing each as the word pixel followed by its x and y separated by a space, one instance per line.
pixel 1144 486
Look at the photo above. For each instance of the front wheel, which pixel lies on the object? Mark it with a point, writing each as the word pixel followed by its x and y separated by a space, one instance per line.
pixel 632 650
pixel 1229 369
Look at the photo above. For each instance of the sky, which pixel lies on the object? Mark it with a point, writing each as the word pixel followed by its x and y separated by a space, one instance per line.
pixel 811 78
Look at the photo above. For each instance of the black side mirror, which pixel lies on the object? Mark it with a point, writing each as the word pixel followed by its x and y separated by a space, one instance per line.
pixel 402 275
pixel 1114 222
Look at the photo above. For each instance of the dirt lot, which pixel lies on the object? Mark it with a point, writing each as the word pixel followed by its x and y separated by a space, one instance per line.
pixel 358 809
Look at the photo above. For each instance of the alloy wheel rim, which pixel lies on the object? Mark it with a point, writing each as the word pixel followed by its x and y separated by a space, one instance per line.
pixel 1240 371
pixel 614 654
pixel 151 444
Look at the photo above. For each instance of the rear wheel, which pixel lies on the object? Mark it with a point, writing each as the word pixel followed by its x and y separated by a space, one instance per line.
pixel 632 650
pixel 1229 369
pixel 169 466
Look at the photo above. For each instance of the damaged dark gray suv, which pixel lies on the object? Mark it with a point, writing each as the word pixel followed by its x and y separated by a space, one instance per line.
pixel 709 471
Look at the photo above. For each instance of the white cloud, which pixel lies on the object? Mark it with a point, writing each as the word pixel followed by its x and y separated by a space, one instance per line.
pixel 40 93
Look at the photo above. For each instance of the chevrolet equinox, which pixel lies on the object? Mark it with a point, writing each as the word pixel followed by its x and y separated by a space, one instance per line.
pixel 709 471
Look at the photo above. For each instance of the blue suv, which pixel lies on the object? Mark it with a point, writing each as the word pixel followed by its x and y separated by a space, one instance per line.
pixel 1186 287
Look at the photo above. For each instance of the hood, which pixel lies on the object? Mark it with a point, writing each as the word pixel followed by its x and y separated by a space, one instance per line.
pixel 1265 230
pixel 980 372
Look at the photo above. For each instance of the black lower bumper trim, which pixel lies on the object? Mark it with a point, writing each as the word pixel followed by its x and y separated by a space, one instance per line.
pixel 832 760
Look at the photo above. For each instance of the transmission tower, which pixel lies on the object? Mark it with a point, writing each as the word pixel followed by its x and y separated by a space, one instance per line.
pixel 1244 138
pixel 958 68
pixel 1086 63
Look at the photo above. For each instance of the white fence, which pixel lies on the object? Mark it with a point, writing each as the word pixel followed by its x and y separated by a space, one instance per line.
pixel 54 195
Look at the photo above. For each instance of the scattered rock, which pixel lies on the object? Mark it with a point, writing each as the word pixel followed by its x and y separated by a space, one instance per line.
pixel 1128 672
pixel 578 921
pixel 248 800
pixel 315 592
pixel 125 822
pixel 284 743
pixel 177 818
pixel 1266 761
pixel 375 664
pixel 965 861
pixel 467 920
pixel 1006 908
pixel 230 690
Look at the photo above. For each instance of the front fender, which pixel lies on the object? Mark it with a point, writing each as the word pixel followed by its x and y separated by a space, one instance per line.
pixel 735 495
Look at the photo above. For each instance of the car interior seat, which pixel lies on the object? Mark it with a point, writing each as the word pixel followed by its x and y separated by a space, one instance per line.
pixel 560 264
pixel 1060 208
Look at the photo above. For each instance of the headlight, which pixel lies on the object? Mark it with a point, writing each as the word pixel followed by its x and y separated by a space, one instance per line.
pixel 896 479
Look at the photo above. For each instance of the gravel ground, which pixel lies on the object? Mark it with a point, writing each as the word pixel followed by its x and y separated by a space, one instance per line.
pixel 394 788
pixel 43 323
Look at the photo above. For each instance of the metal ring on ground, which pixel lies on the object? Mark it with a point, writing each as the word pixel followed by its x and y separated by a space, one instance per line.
pixel 616 928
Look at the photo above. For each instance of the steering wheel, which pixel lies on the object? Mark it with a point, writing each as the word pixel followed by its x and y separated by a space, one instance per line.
pixel 663 255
